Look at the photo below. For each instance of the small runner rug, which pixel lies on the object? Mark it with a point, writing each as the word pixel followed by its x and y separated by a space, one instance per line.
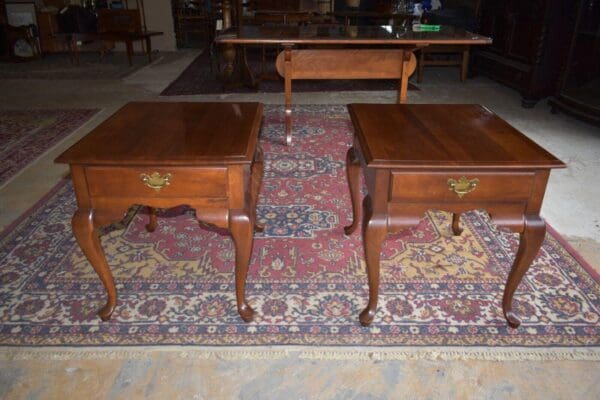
pixel 27 134
pixel 92 65
pixel 307 280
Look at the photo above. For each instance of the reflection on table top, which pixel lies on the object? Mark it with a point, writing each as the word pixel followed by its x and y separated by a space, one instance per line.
pixel 337 34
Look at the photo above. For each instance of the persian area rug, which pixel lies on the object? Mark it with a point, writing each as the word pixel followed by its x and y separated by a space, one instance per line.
pixel 307 280
pixel 198 78
pixel 27 134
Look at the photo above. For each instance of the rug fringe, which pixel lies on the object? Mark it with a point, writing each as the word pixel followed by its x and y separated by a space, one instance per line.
pixel 451 353
pixel 13 353
pixel 302 353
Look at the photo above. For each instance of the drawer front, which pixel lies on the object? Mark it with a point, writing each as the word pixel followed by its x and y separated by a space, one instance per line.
pixel 449 186
pixel 182 182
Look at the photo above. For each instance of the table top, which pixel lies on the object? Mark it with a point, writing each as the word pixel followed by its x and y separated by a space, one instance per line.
pixel 443 136
pixel 169 133
pixel 339 34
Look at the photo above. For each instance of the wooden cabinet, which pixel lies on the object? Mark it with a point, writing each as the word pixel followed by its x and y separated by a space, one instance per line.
pixel 278 5
pixel 530 43
pixel 3 31
pixel 578 91
pixel 48 28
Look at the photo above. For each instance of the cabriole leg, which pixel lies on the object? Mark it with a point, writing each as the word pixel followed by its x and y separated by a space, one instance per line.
pixel 87 237
pixel 531 240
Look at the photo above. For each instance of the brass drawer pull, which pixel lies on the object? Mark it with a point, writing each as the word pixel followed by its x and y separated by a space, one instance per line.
pixel 462 186
pixel 155 180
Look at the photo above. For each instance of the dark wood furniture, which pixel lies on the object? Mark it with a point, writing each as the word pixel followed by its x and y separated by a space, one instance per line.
pixel 351 17
pixel 458 13
pixel 119 20
pixel 447 157
pixel 204 155
pixel 427 56
pixel 278 5
pixel 578 91
pixel 49 33
pixel 280 17
pixel 529 45
pixel 124 26
pixel 194 26
pixel 4 44
pixel 361 62
pixel 127 26
pixel 72 40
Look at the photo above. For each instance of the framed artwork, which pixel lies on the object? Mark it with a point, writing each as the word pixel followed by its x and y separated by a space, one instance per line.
pixel 21 13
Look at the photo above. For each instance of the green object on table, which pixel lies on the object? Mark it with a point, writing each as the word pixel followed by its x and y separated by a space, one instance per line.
pixel 429 28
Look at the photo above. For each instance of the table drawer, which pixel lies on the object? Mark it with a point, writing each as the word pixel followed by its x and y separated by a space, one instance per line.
pixel 461 186
pixel 182 182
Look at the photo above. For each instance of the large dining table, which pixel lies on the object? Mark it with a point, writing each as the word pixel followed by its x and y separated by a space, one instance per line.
pixel 327 51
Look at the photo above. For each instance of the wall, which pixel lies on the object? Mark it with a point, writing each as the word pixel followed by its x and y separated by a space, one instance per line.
pixel 159 17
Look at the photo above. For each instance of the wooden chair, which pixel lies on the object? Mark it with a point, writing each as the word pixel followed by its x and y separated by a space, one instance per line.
pixel 444 54
pixel 430 56
pixel 115 26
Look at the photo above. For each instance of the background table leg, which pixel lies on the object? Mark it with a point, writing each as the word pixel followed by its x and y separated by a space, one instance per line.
pixel 409 65
pixel 456 229
pixel 149 48
pixel 288 95
pixel 129 45
pixel 151 225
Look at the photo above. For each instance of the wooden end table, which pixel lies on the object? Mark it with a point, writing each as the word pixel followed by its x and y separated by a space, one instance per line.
pixel 449 157
pixel 162 155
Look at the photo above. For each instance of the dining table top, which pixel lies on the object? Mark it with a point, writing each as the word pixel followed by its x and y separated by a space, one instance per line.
pixel 353 34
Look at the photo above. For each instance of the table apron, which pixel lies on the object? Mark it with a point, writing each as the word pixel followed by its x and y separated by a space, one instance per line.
pixel 401 215
pixel 213 211
pixel 348 63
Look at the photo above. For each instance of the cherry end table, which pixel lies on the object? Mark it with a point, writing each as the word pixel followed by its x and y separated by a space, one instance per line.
pixel 446 157
pixel 163 155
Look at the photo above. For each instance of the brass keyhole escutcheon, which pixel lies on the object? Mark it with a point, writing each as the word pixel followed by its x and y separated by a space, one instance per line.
pixel 155 180
pixel 462 186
